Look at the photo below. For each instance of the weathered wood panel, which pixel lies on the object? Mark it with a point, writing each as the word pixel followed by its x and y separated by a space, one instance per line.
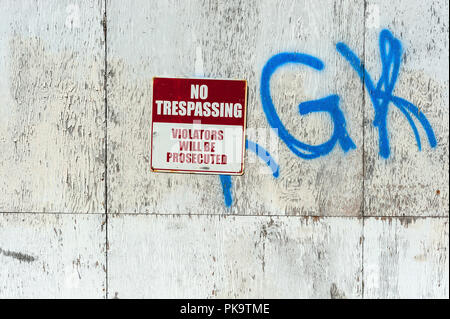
pixel 52 109
pixel 199 256
pixel 52 137
pixel 52 256
pixel 410 182
pixel 406 258
pixel 234 39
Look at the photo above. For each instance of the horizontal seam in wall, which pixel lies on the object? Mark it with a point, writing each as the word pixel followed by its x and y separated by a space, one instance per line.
pixel 221 215
pixel 290 216
pixel 50 213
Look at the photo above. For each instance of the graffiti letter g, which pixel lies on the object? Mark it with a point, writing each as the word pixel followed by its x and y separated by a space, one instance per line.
pixel 328 104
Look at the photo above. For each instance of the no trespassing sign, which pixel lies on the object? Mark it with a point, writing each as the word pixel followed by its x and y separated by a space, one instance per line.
pixel 198 125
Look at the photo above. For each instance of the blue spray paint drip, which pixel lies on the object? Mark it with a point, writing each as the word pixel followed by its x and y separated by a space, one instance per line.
pixel 328 104
pixel 381 94
pixel 225 180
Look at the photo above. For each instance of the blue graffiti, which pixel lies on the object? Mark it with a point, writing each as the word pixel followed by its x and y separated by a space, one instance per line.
pixel 381 95
pixel 225 180
pixel 328 104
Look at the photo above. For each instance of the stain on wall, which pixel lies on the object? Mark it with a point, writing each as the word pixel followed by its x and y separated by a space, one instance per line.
pixel 345 191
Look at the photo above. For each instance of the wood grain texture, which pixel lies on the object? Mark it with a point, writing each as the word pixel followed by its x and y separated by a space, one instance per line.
pixel 410 182
pixel 52 256
pixel 51 107
pixel 234 257
pixel 170 235
pixel 406 258
pixel 234 39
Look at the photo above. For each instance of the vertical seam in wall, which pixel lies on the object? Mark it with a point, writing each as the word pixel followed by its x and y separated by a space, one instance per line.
pixel 363 152
pixel 105 84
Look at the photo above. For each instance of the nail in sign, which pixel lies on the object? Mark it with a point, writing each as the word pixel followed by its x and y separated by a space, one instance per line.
pixel 198 125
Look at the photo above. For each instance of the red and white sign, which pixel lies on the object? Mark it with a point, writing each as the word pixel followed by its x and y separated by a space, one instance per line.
pixel 198 126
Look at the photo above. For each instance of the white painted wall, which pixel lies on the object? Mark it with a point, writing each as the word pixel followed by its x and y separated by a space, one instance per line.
pixel 345 225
